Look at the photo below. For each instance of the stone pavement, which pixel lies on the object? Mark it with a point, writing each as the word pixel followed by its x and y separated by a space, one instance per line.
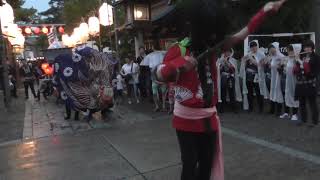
pixel 11 120
pixel 45 118
pixel 275 130
pixel 137 144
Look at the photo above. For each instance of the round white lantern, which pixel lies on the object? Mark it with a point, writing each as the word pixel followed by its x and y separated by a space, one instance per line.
pixel 19 40
pixel 6 14
pixel 77 31
pixel 11 30
pixel 66 40
pixel 84 32
pixel 84 29
pixel 94 26
pixel 84 38
pixel 106 15
pixel 76 35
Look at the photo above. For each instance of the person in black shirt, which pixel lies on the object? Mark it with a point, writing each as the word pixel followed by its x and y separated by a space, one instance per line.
pixel 28 79
pixel 306 72
pixel 253 77
pixel 143 73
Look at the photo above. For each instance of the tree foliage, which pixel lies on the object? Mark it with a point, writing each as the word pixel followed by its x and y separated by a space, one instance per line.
pixel 76 10
pixel 294 16
pixel 27 15
pixel 55 13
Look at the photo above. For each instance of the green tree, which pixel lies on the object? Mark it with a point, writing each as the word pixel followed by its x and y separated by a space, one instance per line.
pixel 294 16
pixel 27 15
pixel 55 13
pixel 76 10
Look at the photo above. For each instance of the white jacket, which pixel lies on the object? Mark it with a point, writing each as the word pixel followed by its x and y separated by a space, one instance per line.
pixel 291 79
pixel 275 87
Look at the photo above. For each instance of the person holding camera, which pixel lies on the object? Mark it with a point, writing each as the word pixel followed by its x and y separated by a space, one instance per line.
pixel 130 72
pixel 253 77
pixel 228 81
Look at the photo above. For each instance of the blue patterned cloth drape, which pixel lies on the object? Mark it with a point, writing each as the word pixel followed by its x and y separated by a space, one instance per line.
pixel 79 76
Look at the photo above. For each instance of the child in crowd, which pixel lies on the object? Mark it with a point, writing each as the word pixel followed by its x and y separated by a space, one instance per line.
pixel 118 83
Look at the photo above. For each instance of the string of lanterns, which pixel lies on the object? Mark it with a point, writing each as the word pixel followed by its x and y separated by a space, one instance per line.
pixel 27 30
pixel 81 34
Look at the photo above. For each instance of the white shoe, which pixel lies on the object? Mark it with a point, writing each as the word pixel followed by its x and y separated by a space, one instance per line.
pixel 129 102
pixel 284 116
pixel 294 118
pixel 138 101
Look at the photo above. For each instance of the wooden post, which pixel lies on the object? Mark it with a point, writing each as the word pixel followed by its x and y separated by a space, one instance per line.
pixel 138 42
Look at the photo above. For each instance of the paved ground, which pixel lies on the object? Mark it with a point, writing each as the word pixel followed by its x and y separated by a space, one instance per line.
pixel 11 121
pixel 138 144
pixel 270 128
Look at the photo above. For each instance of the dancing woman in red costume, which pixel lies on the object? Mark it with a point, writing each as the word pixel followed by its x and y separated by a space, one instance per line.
pixel 195 117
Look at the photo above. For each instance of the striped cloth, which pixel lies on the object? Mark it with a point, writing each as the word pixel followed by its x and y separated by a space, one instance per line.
pixel 52 36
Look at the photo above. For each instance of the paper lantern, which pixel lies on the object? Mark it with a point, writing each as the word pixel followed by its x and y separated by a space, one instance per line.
pixel 75 37
pixel 94 25
pixel 61 30
pixel 65 39
pixel 77 33
pixel 45 30
pixel 11 30
pixel 6 15
pixel 36 30
pixel 84 32
pixel 84 29
pixel 138 14
pixel 17 39
pixel 27 30
pixel 20 39
pixel 106 15
pixel 141 12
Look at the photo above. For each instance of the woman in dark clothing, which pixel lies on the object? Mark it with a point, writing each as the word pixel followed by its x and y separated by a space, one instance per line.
pixel 306 88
